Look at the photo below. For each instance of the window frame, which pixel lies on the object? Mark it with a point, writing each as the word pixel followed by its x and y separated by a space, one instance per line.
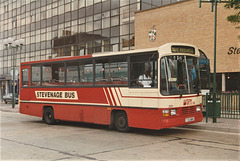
pixel 95 60
pixel 154 70
pixel 40 82
pixel 81 62
pixel 112 83
pixel 54 83
pixel 28 74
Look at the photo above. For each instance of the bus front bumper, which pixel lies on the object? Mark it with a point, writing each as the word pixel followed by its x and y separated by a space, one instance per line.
pixel 181 120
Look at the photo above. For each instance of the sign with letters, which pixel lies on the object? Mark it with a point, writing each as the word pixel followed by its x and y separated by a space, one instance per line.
pixel 70 95
pixel 233 50
pixel 183 49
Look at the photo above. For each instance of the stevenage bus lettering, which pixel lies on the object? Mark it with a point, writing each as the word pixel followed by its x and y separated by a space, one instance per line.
pixel 103 88
pixel 49 94
pixel 56 94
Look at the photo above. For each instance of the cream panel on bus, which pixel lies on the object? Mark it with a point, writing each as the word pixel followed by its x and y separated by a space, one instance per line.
pixel 139 97
pixel 151 98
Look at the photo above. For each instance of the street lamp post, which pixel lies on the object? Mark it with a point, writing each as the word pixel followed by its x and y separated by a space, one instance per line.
pixel 214 7
pixel 14 46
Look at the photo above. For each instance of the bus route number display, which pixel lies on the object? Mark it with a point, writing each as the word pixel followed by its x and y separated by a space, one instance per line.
pixel 183 49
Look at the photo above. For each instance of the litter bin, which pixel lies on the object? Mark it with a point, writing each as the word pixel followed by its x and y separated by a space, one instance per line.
pixel 209 108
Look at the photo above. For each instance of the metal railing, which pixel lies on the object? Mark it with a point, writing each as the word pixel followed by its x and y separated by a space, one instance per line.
pixel 228 107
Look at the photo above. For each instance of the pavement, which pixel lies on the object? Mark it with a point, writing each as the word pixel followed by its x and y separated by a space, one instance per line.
pixel 222 124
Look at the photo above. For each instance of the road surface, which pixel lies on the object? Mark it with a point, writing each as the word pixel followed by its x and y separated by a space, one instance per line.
pixel 29 138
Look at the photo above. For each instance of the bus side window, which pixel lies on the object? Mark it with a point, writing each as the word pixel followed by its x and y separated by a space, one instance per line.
pixel 102 72
pixel 58 72
pixel 36 75
pixel 73 73
pixel 53 74
pixel 112 71
pixel 86 74
pixel 47 72
pixel 79 74
pixel 25 77
pixel 144 70
pixel 118 72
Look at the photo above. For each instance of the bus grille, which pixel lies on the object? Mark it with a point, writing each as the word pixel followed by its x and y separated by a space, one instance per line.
pixel 188 110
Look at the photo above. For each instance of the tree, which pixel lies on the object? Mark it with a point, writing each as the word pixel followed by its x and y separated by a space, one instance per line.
pixel 235 18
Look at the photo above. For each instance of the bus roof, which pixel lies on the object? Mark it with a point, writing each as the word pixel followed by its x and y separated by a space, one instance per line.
pixel 166 48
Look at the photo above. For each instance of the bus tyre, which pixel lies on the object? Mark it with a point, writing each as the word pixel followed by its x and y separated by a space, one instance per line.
pixel 48 116
pixel 121 122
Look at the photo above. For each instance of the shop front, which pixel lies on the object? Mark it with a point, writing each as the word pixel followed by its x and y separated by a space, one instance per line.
pixel 6 83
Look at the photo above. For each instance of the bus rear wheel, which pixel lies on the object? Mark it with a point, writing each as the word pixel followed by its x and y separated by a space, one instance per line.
pixel 48 116
pixel 121 121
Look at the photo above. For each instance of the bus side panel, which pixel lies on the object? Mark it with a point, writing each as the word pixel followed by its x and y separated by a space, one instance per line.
pixel 31 109
pixel 89 114
pixel 144 118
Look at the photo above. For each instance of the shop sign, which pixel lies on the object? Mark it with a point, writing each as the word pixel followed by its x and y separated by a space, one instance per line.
pixel 152 33
pixel 233 50
pixel 5 77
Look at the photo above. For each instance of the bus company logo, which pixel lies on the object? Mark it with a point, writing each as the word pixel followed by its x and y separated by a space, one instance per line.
pixel 152 33
pixel 188 102
pixel 71 95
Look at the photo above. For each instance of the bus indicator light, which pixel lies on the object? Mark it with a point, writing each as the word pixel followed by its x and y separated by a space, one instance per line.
pixel 165 112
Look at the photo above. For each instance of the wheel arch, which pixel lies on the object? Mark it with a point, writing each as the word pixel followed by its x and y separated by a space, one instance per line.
pixel 44 108
pixel 113 114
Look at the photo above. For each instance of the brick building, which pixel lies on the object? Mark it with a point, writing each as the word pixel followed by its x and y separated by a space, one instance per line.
pixel 186 22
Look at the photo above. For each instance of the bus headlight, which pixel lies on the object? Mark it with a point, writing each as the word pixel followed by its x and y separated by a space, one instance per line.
pixel 165 112
pixel 198 109
pixel 173 112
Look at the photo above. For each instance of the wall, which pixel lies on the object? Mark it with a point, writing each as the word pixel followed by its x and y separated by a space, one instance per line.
pixel 186 22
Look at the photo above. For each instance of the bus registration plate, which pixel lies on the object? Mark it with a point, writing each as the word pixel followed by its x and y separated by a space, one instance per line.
pixel 189 119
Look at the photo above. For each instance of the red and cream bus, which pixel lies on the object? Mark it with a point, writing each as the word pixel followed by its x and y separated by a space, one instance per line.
pixel 114 88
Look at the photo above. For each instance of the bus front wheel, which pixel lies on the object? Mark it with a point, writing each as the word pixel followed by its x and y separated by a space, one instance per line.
pixel 48 116
pixel 121 121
